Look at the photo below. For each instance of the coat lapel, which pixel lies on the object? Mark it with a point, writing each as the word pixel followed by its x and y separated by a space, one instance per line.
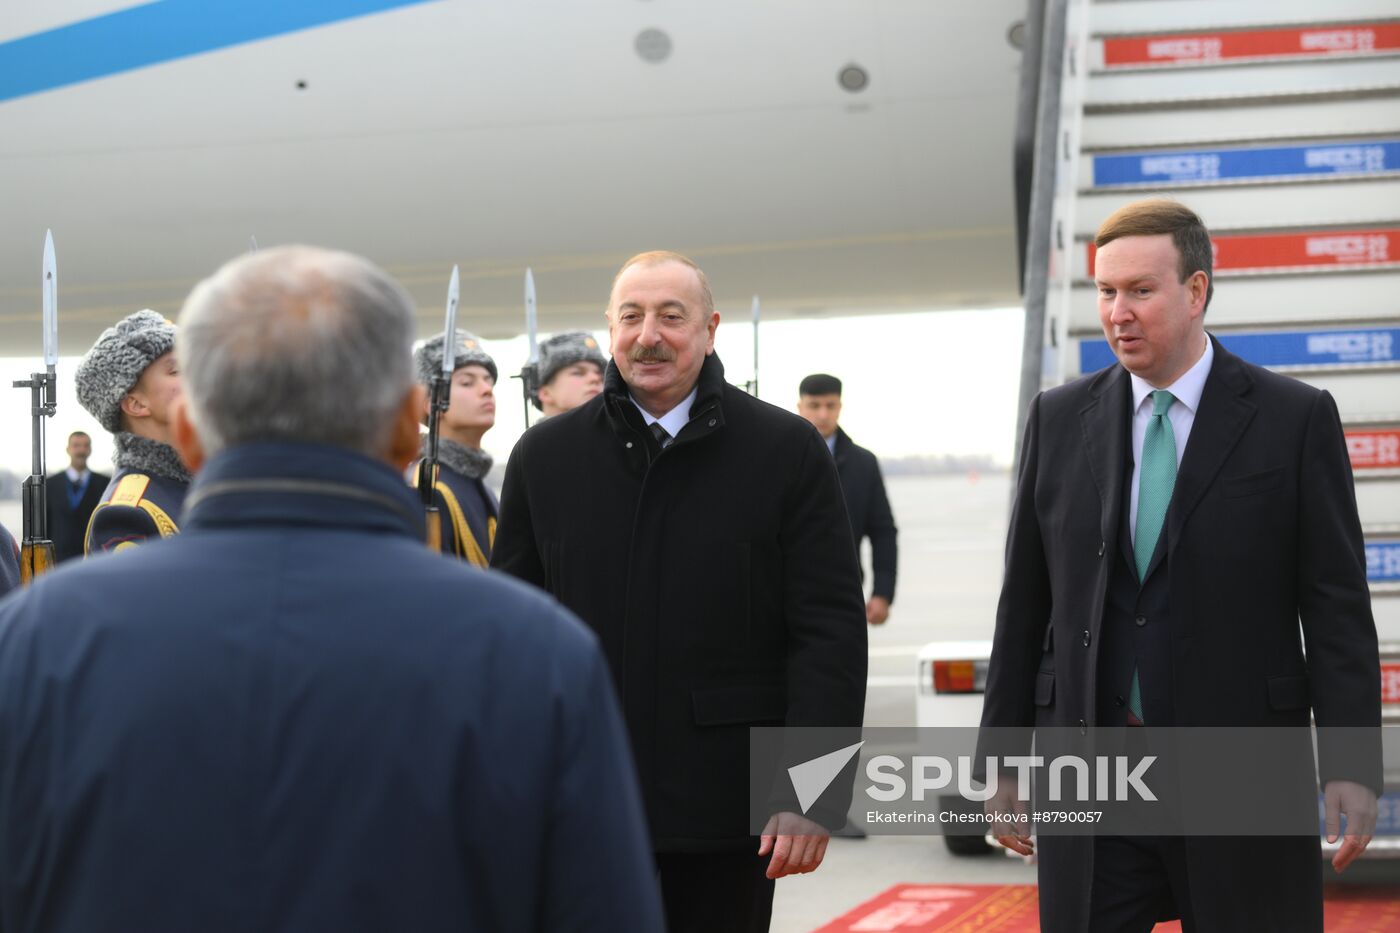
pixel 1104 422
pixel 1220 422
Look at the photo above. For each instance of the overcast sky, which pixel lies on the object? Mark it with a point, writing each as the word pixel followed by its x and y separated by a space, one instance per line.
pixel 932 383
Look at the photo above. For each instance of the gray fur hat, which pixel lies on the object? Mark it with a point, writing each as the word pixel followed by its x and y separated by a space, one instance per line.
pixel 115 363
pixel 428 357
pixel 566 349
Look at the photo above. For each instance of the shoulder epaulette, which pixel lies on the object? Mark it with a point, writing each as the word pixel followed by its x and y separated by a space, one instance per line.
pixel 130 493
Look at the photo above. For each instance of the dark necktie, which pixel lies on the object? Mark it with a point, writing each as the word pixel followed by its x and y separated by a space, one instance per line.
pixel 75 493
pixel 663 437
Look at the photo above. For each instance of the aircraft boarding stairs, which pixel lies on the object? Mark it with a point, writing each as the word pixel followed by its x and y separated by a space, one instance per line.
pixel 1279 123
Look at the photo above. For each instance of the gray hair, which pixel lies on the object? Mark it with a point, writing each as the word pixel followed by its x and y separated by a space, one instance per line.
pixel 296 343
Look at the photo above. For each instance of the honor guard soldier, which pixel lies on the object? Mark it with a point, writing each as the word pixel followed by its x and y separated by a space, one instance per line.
pixel 571 372
pixel 129 382
pixel 461 491
pixel 9 561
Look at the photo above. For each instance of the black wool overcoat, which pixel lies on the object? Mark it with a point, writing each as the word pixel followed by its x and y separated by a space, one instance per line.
pixel 719 574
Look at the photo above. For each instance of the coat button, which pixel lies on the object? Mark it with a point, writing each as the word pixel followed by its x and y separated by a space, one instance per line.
pixel 629 445
pixel 713 422
pixel 1086 638
pixel 1141 620
pixel 1119 701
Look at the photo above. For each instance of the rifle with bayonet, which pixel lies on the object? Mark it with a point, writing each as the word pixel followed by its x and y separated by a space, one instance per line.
pixel 439 402
pixel 751 386
pixel 530 373
pixel 36 551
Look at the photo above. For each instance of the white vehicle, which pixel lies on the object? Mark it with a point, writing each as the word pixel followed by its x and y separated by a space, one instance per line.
pixel 1297 174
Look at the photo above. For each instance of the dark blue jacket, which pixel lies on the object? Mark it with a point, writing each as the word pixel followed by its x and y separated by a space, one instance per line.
pixel 294 717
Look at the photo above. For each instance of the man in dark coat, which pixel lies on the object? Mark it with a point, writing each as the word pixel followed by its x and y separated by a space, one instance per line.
pixel 701 533
pixel 819 401
pixel 294 716
pixel 1176 516
pixel 71 496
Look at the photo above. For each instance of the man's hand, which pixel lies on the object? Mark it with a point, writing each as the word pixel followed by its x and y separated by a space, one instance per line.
pixel 877 610
pixel 798 844
pixel 1358 802
pixel 1013 834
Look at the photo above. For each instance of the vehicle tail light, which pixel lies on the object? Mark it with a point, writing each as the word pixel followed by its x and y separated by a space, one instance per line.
pixel 959 676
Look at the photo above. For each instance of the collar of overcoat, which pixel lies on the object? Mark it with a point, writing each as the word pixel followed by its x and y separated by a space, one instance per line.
pixel 288 483
pixel 627 421
pixel 1106 422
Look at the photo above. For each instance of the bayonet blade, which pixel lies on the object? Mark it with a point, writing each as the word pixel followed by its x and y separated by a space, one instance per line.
pixel 449 331
pixel 755 309
pixel 252 245
pixel 50 287
pixel 531 321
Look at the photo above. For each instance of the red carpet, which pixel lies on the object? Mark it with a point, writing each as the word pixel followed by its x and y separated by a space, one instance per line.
pixel 1011 908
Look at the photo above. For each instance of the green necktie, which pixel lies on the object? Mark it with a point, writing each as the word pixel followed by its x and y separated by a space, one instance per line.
pixel 1155 482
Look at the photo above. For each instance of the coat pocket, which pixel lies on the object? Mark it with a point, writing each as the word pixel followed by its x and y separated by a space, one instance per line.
pixel 1237 487
pixel 1045 688
pixel 1289 691
pixel 727 706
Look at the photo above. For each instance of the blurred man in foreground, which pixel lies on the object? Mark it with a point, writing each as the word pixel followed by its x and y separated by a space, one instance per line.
pixel 819 401
pixel 292 717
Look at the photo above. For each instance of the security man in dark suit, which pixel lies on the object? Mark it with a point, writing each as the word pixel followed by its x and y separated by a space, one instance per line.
pixel 819 401
pixel 293 717
pixel 1177 516
pixel 129 382
pixel 71 498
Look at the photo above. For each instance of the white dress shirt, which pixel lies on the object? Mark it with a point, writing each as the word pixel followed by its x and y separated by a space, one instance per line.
pixel 676 418
pixel 76 478
pixel 1182 416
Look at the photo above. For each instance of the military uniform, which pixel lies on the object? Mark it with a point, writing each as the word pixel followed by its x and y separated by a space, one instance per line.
pixel 143 499
pixel 9 562
pixel 468 507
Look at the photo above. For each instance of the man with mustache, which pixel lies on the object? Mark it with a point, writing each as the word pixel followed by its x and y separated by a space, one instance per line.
pixel 702 534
